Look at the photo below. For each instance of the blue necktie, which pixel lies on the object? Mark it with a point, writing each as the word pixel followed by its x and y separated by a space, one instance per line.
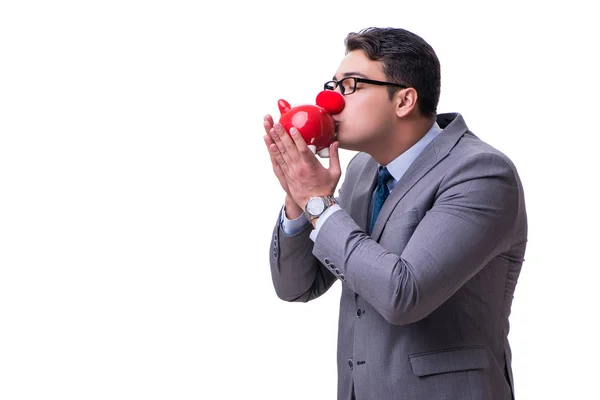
pixel 381 193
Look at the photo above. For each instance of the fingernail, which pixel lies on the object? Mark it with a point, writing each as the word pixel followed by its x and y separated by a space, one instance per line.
pixel 293 131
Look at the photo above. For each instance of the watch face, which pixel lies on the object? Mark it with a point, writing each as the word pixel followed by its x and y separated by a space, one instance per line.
pixel 315 206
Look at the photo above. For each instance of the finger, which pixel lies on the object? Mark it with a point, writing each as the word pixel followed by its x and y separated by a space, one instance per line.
pixel 289 150
pixel 278 171
pixel 269 143
pixel 268 123
pixel 301 145
pixel 334 159
pixel 276 168
pixel 279 159
pixel 277 141
pixel 268 118
pixel 280 175
pixel 275 138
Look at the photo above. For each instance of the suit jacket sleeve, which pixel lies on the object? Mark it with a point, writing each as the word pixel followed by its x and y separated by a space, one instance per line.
pixel 469 223
pixel 297 274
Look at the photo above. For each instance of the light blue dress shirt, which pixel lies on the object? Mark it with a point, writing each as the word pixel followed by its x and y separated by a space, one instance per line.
pixel 397 168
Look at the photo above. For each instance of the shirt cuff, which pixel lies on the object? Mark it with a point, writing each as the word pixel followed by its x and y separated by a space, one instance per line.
pixel 322 219
pixel 291 227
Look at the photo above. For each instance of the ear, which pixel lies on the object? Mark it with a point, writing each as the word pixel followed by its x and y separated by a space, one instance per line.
pixel 406 101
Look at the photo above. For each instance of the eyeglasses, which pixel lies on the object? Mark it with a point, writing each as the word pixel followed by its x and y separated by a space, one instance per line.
pixel 348 85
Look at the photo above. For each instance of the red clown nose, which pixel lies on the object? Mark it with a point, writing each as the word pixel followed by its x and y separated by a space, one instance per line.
pixel 331 101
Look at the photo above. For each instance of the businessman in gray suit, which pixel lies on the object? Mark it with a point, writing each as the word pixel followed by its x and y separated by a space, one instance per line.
pixel 427 236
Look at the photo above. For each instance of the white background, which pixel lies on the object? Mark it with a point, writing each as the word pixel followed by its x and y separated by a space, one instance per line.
pixel 137 199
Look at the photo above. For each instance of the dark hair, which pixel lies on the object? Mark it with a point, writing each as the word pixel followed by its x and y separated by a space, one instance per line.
pixel 407 59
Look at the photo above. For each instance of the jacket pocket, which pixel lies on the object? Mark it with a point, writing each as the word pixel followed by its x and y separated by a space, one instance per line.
pixel 449 360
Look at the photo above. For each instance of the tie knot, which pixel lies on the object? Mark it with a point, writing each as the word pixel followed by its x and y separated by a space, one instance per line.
pixel 384 176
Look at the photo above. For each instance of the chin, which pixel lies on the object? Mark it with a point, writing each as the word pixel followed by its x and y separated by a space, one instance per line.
pixel 349 145
pixel 345 142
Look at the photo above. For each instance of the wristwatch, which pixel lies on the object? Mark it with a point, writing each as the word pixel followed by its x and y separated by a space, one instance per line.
pixel 317 206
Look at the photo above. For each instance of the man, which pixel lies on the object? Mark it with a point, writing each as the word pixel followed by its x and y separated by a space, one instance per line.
pixel 427 236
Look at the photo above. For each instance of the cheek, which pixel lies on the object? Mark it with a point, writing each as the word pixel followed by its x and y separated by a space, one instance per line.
pixel 367 115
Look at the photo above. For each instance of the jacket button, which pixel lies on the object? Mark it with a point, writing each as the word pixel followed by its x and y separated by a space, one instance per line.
pixel 342 278
pixel 350 363
pixel 326 261
pixel 359 312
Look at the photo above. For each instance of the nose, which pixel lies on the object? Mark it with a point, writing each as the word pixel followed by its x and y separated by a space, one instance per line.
pixel 331 100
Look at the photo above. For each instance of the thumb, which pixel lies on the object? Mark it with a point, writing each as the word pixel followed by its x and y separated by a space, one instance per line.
pixel 334 159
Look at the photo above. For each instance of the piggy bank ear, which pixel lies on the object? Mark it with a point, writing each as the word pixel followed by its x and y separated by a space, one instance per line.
pixel 284 106
pixel 332 101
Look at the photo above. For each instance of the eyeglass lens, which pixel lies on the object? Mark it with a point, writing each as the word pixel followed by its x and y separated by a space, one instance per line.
pixel 346 85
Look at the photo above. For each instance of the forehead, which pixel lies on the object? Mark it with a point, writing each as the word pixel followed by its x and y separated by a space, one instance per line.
pixel 356 63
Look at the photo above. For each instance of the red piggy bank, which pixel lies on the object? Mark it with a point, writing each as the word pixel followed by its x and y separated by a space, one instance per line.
pixel 314 122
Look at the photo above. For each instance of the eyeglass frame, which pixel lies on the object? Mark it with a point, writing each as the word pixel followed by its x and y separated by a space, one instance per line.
pixel 357 80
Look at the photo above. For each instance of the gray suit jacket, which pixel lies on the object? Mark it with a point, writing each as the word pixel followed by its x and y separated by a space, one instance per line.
pixel 426 297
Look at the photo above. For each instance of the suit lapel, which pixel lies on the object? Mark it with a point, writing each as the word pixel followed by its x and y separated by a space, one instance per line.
pixel 453 127
pixel 361 199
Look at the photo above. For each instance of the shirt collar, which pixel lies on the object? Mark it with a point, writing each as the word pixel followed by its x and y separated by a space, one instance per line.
pixel 400 164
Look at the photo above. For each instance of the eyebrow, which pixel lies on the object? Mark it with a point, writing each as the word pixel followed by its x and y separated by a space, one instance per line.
pixel 347 74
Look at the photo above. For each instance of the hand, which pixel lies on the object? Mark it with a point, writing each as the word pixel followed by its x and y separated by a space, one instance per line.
pixel 304 175
pixel 292 209
pixel 268 125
